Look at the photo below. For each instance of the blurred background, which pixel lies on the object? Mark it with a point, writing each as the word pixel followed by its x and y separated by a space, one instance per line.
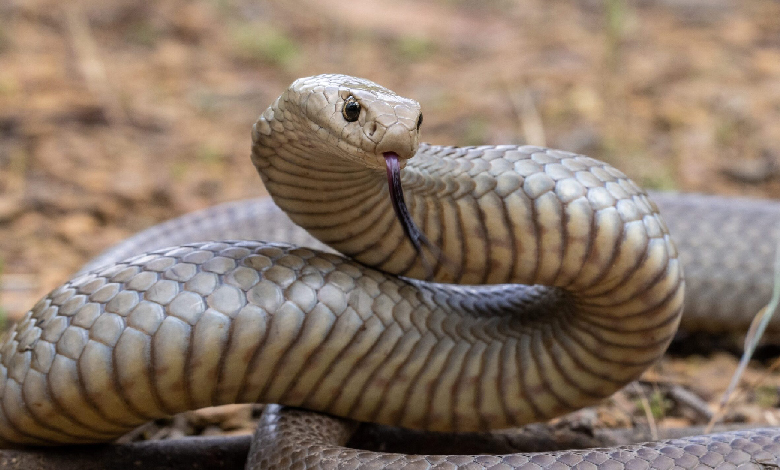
pixel 118 114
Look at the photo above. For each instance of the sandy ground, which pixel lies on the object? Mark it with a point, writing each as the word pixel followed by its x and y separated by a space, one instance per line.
pixel 118 114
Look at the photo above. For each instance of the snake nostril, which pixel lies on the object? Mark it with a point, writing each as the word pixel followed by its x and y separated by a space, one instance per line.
pixel 371 128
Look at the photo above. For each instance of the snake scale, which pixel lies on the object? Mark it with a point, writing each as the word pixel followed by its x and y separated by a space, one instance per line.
pixel 551 281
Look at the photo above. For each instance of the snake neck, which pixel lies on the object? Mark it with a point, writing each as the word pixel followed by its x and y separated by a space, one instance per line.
pixel 343 200
pixel 345 204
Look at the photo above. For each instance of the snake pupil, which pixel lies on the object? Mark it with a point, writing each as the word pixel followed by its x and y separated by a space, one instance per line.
pixel 351 109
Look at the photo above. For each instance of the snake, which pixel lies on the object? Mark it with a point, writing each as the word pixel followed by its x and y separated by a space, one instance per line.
pixel 435 288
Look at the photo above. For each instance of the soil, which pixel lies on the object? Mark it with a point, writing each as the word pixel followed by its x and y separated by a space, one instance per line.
pixel 119 114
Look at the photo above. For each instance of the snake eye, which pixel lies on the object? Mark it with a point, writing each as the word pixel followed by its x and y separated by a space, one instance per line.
pixel 419 122
pixel 351 110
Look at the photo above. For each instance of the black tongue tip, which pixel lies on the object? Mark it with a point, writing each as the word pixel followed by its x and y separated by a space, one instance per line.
pixel 413 233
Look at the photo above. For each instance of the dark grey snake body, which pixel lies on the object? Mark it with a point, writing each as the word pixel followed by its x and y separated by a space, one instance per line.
pixel 221 322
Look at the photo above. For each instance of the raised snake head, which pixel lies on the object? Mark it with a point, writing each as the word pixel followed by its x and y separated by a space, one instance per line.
pixel 351 119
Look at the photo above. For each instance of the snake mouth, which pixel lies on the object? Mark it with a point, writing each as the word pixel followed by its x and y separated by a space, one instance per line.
pixel 412 232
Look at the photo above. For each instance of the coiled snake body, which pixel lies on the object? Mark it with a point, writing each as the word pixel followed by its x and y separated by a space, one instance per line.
pixel 582 290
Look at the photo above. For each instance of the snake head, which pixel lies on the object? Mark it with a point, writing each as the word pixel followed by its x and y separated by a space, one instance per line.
pixel 351 119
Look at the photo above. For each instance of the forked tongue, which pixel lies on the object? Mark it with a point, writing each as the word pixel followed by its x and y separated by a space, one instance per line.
pixel 414 234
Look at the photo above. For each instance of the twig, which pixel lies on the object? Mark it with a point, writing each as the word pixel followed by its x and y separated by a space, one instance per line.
pixel 754 334
pixel 648 411
pixel 691 400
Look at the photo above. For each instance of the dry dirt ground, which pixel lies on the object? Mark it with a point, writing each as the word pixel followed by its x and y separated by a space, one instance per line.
pixel 118 114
